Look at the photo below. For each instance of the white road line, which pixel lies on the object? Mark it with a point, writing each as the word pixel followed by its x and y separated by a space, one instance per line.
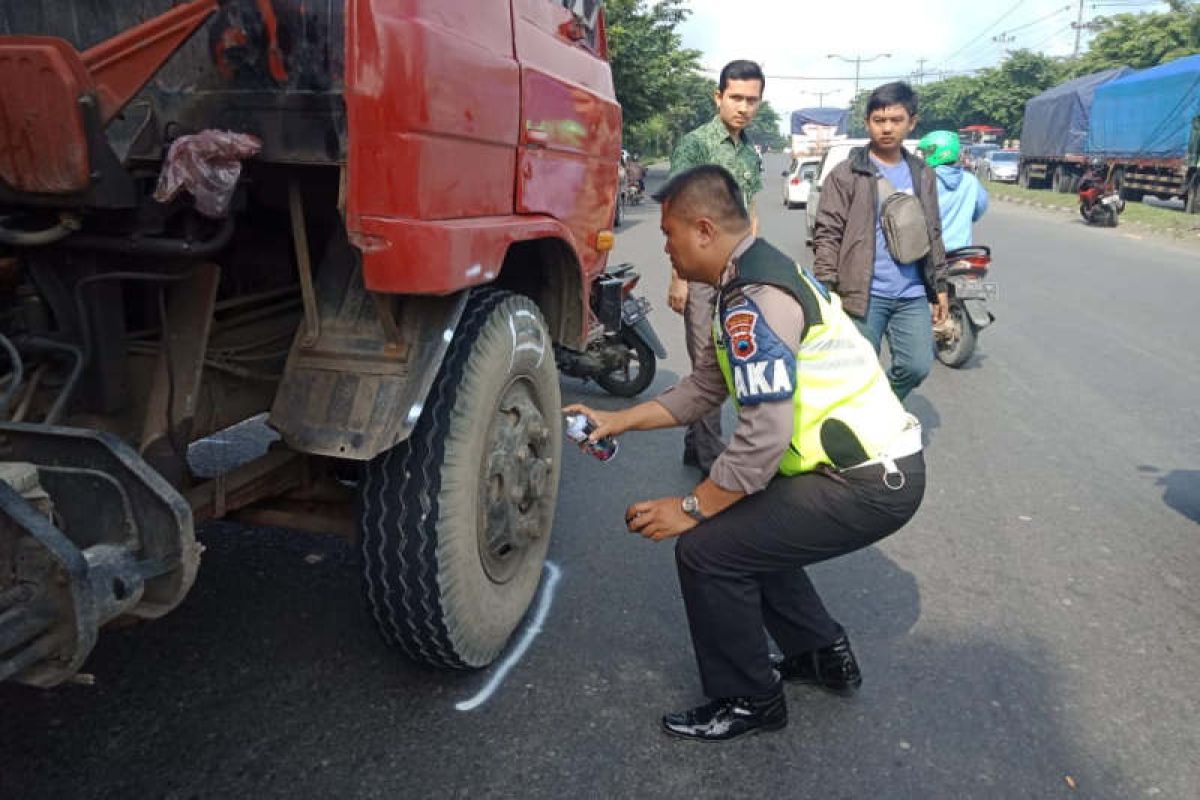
pixel 535 627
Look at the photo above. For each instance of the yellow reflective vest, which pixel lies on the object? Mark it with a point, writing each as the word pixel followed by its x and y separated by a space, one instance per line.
pixel 845 410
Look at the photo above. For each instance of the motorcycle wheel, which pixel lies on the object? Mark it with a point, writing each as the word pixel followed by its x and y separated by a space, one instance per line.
pixel 638 372
pixel 1109 217
pixel 958 348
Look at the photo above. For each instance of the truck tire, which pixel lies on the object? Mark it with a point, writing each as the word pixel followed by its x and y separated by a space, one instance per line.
pixel 1060 181
pixel 455 521
pixel 1127 194
pixel 1191 200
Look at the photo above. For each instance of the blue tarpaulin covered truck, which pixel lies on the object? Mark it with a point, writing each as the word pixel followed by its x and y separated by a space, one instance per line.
pixel 1146 126
pixel 1055 131
pixel 814 128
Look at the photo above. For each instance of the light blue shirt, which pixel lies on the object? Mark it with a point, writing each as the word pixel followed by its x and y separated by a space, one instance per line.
pixel 962 200
pixel 889 278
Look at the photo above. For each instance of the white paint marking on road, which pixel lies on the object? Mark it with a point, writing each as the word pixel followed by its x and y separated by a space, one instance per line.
pixel 535 627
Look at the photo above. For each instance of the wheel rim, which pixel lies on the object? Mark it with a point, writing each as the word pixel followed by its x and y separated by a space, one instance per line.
pixel 514 481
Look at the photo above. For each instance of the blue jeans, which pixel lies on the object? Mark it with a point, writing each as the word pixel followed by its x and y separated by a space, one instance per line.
pixel 908 325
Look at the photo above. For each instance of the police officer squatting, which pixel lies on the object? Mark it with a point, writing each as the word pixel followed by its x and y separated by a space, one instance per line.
pixel 824 461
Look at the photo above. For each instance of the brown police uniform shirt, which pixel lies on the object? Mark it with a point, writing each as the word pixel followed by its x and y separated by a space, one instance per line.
pixel 764 430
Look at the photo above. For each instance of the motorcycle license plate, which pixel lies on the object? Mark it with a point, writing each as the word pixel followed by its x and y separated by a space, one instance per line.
pixel 977 288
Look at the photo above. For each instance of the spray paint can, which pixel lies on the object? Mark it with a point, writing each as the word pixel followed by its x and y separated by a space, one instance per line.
pixel 579 427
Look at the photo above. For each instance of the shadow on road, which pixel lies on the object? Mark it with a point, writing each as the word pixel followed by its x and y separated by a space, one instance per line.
pixel 976 362
pixel 1181 491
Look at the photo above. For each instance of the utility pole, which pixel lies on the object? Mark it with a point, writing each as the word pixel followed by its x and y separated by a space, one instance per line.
pixel 920 74
pixel 821 95
pixel 1078 30
pixel 858 61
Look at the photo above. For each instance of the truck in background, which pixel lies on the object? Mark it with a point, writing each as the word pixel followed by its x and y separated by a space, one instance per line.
pixel 815 129
pixel 1055 131
pixel 1146 128
pixel 392 213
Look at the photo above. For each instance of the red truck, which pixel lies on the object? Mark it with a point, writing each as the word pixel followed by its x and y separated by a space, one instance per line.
pixel 363 226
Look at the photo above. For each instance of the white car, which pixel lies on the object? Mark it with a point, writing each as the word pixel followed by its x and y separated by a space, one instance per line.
pixel 838 152
pixel 1000 165
pixel 798 180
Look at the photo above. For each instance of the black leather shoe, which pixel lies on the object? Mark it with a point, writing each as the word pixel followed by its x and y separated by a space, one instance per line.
pixel 729 718
pixel 833 668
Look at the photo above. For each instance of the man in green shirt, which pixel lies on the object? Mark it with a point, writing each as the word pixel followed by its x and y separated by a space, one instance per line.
pixel 721 141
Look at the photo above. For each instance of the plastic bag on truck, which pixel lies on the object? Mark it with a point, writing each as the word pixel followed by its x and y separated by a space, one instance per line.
pixel 207 164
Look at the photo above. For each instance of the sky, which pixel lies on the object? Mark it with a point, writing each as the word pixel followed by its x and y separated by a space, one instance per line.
pixel 793 39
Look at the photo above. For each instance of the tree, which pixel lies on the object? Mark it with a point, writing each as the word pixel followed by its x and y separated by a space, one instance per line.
pixel 994 96
pixel 765 128
pixel 1003 91
pixel 652 71
pixel 1142 40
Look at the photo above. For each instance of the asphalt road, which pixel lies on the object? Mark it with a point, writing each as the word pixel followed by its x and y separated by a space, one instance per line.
pixel 1033 633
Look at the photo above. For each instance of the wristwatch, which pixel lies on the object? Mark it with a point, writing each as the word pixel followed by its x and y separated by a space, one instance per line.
pixel 691 507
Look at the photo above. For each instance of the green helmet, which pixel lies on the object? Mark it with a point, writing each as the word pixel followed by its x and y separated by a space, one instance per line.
pixel 939 147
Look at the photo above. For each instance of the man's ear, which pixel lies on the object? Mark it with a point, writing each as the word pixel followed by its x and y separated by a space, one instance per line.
pixel 707 229
pixel 717 98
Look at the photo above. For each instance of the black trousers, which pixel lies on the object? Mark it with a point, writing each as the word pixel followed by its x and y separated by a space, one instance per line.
pixel 743 570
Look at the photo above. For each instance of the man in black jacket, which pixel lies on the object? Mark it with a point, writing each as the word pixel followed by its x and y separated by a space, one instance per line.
pixel 883 297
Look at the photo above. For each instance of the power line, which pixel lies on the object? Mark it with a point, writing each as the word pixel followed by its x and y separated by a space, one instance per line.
pixel 1054 35
pixel 1037 21
pixel 984 32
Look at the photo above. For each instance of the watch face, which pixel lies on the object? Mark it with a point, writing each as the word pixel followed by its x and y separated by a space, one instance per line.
pixel 691 504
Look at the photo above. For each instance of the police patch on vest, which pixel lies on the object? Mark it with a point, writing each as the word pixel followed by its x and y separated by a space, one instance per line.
pixel 739 332
pixel 763 367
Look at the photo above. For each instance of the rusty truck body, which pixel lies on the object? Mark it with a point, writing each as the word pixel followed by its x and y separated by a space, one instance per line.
pixel 383 216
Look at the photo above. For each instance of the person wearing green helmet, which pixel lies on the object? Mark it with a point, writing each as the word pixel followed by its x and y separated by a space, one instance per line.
pixel 962 200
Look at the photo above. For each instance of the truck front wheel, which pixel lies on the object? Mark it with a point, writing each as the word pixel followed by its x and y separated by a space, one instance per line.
pixel 455 521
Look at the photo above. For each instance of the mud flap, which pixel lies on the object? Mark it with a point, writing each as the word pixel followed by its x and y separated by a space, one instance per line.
pixel 978 312
pixel 359 389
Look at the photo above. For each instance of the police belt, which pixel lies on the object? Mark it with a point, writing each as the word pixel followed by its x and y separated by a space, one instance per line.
pixel 906 444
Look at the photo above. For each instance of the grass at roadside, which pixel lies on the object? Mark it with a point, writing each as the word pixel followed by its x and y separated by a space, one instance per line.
pixel 1167 221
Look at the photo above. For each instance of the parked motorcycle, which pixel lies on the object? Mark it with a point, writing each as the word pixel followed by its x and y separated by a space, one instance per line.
pixel 1099 201
pixel 622 353
pixel 955 336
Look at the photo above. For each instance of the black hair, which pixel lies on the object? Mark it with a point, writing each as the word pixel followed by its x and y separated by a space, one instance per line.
pixel 706 191
pixel 741 70
pixel 893 94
